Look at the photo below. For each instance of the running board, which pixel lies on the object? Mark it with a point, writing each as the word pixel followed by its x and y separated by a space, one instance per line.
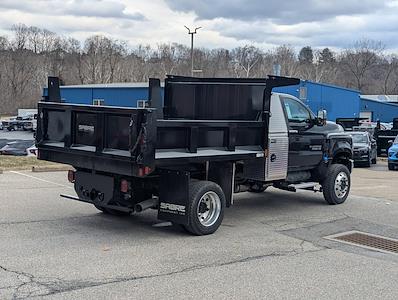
pixel 312 186
pixel 115 207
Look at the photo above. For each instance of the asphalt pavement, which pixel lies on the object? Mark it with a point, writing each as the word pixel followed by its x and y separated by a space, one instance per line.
pixel 270 245
pixel 16 135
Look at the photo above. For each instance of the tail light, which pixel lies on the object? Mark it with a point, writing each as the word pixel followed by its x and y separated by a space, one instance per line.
pixel 124 186
pixel 144 171
pixel 71 176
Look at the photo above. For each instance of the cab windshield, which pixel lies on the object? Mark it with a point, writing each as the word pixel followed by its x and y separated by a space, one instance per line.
pixel 359 138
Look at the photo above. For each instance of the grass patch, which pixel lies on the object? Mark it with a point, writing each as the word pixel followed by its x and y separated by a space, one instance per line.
pixel 9 162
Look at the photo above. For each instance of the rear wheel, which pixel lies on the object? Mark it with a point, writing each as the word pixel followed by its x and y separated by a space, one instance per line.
pixel 337 184
pixel 391 167
pixel 206 207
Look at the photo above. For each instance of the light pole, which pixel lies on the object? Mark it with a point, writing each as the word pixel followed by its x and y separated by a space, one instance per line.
pixel 192 33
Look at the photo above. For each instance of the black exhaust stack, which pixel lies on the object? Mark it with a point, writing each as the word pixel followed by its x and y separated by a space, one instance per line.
pixel 54 93
pixel 155 97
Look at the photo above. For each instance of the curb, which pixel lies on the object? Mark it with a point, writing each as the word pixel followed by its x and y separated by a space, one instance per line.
pixel 37 169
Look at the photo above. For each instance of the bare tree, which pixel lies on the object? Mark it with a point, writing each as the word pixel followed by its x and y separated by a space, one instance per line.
pixel 391 70
pixel 245 59
pixel 21 36
pixel 361 59
pixel 30 54
pixel 285 56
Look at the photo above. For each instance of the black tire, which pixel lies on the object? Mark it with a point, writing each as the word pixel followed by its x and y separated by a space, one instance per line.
pixel 197 189
pixel 255 188
pixel 369 162
pixel 391 167
pixel 112 212
pixel 328 185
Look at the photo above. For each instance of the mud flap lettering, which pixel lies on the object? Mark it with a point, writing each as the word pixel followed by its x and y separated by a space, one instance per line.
pixel 174 196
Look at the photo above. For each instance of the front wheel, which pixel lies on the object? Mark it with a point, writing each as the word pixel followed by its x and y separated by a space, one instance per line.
pixel 391 167
pixel 337 184
pixel 369 162
pixel 206 207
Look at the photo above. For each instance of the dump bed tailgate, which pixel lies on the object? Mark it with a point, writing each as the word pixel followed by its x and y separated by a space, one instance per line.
pixel 102 138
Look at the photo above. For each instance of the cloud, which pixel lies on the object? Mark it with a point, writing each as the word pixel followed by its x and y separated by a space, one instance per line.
pixel 280 12
pixel 266 24
pixel 317 23
pixel 85 8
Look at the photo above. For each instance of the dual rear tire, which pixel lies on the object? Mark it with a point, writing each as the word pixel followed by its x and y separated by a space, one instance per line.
pixel 206 207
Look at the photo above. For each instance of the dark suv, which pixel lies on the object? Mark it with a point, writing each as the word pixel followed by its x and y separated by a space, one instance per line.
pixel 365 149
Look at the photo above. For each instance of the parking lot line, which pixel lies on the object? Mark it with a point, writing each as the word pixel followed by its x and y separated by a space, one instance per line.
pixel 370 187
pixel 40 179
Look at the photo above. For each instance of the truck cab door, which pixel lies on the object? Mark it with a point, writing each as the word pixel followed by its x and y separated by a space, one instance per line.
pixel 305 145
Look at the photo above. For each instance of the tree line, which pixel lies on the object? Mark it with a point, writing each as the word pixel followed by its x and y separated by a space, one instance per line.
pixel 31 54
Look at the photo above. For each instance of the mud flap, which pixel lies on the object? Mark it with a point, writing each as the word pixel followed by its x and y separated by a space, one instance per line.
pixel 174 196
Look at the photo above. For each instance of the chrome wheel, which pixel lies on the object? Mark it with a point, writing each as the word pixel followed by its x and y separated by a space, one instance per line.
pixel 341 185
pixel 209 208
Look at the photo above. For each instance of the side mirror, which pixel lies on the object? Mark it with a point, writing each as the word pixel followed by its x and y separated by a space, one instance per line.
pixel 390 142
pixel 322 117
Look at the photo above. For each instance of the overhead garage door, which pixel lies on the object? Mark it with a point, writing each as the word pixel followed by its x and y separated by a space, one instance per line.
pixel 366 114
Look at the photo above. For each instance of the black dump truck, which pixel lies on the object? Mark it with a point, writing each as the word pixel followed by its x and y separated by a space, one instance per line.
pixel 385 138
pixel 187 155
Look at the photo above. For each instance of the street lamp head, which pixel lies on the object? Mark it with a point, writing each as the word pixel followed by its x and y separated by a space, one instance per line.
pixel 192 32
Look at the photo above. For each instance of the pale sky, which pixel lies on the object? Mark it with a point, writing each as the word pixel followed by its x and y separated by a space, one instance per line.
pixel 227 23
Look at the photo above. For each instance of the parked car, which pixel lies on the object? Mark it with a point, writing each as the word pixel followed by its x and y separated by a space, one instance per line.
pixel 365 149
pixel 393 155
pixel 9 123
pixel 15 123
pixel 17 148
pixel 29 123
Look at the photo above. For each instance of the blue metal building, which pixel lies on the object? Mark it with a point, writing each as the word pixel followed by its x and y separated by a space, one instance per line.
pixel 339 102
pixel 113 94
pixel 379 110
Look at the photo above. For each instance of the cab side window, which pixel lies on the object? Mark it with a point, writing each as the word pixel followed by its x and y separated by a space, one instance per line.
pixel 296 112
